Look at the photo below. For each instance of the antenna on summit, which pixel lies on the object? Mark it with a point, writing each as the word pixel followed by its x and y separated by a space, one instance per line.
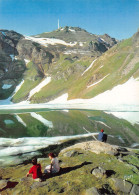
pixel 58 23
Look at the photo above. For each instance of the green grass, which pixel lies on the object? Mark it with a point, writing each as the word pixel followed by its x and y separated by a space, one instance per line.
pixel 125 44
pixel 30 81
pixel 66 75
pixel 59 86
pixel 34 127
pixel 70 123
pixel 75 181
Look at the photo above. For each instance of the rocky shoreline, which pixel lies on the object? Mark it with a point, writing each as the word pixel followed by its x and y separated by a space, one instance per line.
pixel 90 167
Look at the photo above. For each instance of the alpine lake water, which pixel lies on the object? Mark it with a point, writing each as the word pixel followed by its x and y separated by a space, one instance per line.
pixel 33 132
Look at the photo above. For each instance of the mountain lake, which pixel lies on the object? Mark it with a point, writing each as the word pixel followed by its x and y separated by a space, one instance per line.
pixel 36 132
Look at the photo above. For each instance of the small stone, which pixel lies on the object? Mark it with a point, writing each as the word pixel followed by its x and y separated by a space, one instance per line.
pixel 135 190
pixel 71 153
pixel 3 183
pixel 99 172
pixel 92 191
pixel 120 160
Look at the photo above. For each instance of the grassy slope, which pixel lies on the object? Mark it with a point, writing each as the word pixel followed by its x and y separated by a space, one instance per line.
pixel 75 181
pixel 66 79
pixel 66 75
pixel 29 83
pixel 114 62
pixel 13 130
pixel 34 127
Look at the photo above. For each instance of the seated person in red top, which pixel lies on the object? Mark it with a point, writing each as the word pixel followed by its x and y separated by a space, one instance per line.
pixel 35 170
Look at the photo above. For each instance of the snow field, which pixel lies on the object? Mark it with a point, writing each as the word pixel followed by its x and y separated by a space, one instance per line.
pixel 46 41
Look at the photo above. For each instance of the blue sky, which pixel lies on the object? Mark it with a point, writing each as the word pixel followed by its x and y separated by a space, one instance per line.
pixel 118 18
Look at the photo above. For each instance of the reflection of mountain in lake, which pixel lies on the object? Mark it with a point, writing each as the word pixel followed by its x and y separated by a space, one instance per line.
pixel 65 123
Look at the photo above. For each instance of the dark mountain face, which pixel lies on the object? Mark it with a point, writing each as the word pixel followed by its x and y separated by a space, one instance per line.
pixel 14 48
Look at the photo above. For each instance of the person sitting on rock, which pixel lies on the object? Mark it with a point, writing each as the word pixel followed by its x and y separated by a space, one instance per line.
pixel 35 170
pixel 102 137
pixel 54 166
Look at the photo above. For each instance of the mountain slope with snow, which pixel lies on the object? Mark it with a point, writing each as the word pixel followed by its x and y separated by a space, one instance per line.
pixel 84 73
pixel 34 58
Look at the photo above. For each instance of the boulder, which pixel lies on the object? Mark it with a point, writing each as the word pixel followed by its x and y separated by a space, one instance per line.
pixel 92 191
pixel 96 147
pixel 71 153
pixel 120 185
pixel 3 183
pixel 135 190
pixel 99 172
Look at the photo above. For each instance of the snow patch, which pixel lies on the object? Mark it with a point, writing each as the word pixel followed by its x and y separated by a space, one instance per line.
pixel 121 139
pixel 20 120
pixel 120 98
pixel 101 40
pixel 65 110
pixel 8 100
pixel 80 44
pixel 17 88
pixel 135 145
pixel 26 61
pixel 39 87
pixel 43 120
pixel 46 41
pixel 97 81
pixel 76 51
pixel 103 124
pixel 62 99
pixel 89 67
pixel 127 93
pixel 72 30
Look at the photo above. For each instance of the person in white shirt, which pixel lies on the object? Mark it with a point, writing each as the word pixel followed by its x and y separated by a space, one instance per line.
pixel 54 166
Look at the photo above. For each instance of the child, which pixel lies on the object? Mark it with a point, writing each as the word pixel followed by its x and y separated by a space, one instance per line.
pixel 54 167
pixel 35 170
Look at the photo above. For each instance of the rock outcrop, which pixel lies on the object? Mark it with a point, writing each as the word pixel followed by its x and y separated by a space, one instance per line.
pixel 96 147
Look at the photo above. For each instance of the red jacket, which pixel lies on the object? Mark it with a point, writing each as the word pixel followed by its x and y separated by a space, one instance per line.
pixel 35 170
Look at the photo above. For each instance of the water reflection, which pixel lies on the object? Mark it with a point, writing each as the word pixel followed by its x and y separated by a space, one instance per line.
pixel 66 123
